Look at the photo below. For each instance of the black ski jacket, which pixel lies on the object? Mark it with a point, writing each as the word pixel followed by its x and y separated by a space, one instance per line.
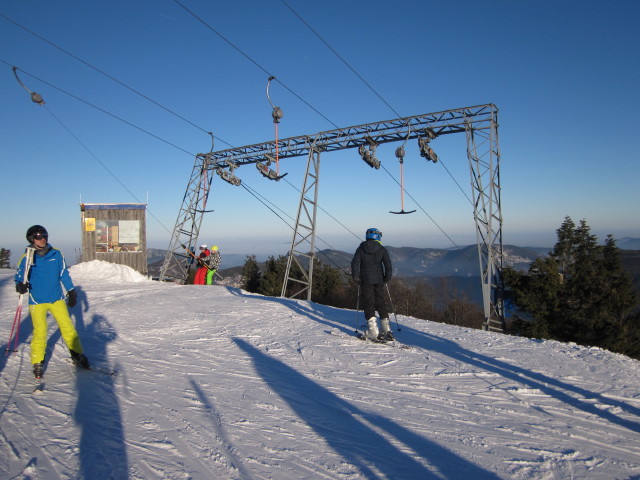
pixel 371 263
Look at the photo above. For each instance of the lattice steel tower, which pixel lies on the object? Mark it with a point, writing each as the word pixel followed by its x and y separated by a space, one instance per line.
pixel 478 123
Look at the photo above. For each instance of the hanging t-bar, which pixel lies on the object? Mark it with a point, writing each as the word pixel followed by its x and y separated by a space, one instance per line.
pixel 400 154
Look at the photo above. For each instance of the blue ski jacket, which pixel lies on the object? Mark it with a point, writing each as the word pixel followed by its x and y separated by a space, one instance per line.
pixel 47 276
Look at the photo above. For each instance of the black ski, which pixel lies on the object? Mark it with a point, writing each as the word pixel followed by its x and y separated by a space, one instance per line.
pixel 104 371
pixel 391 343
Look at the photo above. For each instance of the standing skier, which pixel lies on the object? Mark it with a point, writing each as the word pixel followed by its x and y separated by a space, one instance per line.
pixel 213 261
pixel 43 284
pixel 371 269
pixel 201 273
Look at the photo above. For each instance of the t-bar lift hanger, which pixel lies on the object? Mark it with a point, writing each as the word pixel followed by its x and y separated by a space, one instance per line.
pixel 263 168
pixel 400 154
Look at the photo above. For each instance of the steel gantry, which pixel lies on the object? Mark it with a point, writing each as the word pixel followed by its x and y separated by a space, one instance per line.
pixel 480 125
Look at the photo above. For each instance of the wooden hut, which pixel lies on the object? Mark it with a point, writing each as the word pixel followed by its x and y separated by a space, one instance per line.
pixel 116 233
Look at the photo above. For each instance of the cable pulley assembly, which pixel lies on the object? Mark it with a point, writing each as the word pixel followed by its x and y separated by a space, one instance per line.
pixel 267 172
pixel 276 114
pixel 423 143
pixel 35 97
pixel 227 175
pixel 368 153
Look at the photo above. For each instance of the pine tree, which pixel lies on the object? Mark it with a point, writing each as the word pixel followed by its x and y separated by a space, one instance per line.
pixel 5 258
pixel 251 275
pixel 579 293
pixel 273 276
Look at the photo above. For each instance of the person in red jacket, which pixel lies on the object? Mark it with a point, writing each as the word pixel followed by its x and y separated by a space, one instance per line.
pixel 201 273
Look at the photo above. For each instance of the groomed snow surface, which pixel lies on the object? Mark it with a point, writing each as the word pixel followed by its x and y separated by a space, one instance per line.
pixel 216 383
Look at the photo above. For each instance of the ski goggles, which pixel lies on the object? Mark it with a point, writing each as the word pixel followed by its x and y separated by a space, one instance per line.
pixel 39 236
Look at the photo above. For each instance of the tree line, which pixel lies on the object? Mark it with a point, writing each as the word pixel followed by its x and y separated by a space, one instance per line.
pixel 578 293
pixel 334 287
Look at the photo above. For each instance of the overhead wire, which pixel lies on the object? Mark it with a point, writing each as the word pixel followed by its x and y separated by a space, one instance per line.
pixel 262 199
pixel 108 170
pixel 99 108
pixel 232 45
pixel 248 57
pixel 183 118
pixel 111 77
pixel 304 22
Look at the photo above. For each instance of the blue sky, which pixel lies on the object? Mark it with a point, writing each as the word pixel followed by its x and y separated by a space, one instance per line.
pixel 564 76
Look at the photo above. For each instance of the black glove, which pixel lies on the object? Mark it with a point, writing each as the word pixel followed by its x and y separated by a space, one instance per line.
pixel 72 298
pixel 23 287
pixel 357 280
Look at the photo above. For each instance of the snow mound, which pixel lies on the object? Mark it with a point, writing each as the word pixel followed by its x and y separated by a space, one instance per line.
pixel 106 271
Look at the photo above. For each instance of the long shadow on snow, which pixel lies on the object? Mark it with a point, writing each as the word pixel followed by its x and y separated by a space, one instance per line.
pixel 219 435
pixel 345 428
pixel 102 446
pixel 345 320
pixel 548 385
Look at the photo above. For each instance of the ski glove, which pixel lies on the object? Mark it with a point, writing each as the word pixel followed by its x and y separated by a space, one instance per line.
pixel 72 298
pixel 22 287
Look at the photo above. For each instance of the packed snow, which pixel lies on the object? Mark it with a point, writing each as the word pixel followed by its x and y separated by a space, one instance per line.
pixel 216 383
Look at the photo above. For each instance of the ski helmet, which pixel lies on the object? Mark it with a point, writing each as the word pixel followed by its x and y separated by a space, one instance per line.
pixel 35 230
pixel 203 247
pixel 214 248
pixel 374 234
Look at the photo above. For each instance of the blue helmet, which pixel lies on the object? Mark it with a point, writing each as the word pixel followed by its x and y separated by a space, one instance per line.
pixel 374 234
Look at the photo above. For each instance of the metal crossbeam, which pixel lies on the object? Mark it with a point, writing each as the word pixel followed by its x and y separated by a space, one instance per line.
pixel 480 125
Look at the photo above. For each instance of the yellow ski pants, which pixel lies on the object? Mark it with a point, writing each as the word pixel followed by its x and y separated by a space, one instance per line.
pixel 67 330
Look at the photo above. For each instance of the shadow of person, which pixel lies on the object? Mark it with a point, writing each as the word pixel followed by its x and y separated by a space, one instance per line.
pixel 102 446
pixel 346 428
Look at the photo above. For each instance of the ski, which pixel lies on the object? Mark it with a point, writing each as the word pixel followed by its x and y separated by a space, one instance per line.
pixel 360 336
pixel 391 343
pixel 101 370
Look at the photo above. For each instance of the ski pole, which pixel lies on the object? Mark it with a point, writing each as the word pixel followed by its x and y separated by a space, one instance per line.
pixel 357 308
pixel 393 308
pixel 18 316
pixel 16 321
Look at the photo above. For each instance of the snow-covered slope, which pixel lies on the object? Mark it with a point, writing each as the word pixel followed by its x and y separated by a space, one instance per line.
pixel 215 383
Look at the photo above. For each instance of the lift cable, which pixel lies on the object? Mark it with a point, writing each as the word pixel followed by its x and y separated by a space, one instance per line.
pixel 101 109
pixel 340 57
pixel 320 207
pixel 111 77
pixel 106 168
pixel 366 83
pixel 254 62
pixel 262 199
pixel 420 207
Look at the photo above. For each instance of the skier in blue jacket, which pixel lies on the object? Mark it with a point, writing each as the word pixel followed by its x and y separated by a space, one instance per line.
pixel 47 275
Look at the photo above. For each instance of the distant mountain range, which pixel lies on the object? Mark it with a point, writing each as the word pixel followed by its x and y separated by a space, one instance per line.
pixel 407 261
pixel 460 268
pixel 438 262
pixel 424 262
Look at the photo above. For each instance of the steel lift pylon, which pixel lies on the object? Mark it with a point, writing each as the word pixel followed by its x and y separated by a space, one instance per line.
pixel 480 125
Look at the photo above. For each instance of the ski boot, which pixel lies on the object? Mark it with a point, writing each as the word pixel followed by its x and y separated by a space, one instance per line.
pixel 385 332
pixel 38 370
pixel 79 360
pixel 372 331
